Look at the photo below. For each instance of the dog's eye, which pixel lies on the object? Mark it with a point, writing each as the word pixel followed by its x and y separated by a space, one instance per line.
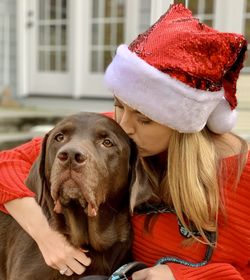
pixel 59 137
pixel 107 143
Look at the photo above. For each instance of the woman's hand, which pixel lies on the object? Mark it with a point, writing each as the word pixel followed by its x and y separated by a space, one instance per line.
pixel 158 272
pixel 59 254
pixel 56 250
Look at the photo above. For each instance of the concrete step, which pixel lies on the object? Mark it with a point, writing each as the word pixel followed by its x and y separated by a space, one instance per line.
pixel 19 126
pixel 23 121
pixel 12 139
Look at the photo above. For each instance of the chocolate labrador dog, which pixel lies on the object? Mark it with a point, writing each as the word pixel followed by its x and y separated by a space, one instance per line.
pixel 82 180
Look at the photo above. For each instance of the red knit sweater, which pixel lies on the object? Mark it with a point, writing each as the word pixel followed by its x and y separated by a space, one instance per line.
pixel 231 258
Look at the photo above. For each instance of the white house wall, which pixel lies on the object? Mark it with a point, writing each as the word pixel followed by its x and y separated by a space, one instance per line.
pixel 8 43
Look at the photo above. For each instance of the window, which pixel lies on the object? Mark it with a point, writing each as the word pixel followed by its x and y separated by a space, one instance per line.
pixel 203 9
pixel 108 18
pixel 144 20
pixel 52 36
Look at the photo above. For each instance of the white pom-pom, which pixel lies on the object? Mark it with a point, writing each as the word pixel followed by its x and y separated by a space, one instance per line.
pixel 222 119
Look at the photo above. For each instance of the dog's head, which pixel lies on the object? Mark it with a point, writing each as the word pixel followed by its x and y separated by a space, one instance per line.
pixel 85 158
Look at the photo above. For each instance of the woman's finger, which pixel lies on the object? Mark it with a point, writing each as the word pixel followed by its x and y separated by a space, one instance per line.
pixel 139 275
pixel 76 266
pixel 158 272
pixel 68 272
pixel 82 258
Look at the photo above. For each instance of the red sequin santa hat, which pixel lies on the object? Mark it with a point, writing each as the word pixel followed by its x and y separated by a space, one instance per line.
pixel 180 73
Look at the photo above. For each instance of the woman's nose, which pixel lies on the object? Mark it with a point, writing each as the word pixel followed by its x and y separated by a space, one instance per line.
pixel 127 124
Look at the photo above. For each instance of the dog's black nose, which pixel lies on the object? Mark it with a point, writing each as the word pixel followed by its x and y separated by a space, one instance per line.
pixel 72 155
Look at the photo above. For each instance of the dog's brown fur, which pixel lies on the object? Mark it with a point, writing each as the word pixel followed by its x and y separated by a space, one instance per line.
pixel 85 169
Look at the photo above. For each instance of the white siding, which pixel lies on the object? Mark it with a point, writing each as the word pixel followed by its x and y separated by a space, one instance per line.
pixel 8 45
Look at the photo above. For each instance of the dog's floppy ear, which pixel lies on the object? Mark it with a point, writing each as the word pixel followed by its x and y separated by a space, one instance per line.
pixel 141 189
pixel 36 179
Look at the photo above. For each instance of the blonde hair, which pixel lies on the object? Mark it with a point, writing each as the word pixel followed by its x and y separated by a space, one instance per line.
pixel 190 182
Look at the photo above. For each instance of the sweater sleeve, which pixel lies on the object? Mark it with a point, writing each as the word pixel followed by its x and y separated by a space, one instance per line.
pixel 15 165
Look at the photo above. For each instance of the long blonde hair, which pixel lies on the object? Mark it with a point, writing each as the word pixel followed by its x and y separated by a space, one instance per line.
pixel 190 182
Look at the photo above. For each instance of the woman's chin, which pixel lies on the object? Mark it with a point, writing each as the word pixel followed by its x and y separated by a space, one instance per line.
pixel 144 153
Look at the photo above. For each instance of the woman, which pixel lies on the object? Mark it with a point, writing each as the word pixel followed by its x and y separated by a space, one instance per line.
pixel 174 90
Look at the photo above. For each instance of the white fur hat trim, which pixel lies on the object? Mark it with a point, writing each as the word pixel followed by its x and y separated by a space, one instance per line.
pixel 161 97
pixel 222 119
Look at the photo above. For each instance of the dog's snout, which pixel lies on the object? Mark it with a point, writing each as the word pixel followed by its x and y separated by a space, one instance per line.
pixel 63 156
pixel 80 157
pixel 72 155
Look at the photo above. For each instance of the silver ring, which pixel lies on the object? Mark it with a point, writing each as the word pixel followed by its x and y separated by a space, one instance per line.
pixel 63 270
